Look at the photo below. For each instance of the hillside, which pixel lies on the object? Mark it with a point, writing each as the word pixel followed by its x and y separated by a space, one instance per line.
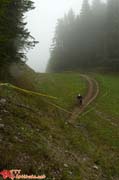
pixel 35 135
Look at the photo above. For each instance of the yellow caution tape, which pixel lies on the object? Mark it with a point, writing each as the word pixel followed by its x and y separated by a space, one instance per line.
pixel 35 93
pixel 27 91
pixel 59 107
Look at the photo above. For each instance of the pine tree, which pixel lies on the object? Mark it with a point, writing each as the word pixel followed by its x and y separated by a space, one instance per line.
pixel 113 33
pixel 63 44
pixel 85 35
pixel 14 37
pixel 88 41
pixel 85 10
pixel 98 28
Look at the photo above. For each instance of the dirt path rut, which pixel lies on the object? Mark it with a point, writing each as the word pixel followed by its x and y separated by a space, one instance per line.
pixel 92 92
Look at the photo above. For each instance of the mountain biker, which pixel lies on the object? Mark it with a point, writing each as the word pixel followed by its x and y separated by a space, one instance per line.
pixel 80 99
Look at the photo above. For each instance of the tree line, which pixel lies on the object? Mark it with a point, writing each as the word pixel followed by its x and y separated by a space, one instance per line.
pixel 14 36
pixel 89 40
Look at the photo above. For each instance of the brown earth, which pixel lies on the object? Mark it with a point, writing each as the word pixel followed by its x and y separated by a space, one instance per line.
pixel 92 93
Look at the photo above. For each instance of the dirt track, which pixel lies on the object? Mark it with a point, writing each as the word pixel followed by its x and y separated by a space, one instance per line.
pixel 92 92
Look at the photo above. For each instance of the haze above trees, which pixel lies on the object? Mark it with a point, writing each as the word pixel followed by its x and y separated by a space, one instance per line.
pixel 89 40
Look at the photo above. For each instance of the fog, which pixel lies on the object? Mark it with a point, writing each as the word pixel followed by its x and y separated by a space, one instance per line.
pixel 41 23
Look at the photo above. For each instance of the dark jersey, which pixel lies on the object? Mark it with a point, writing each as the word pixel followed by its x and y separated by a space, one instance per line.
pixel 80 97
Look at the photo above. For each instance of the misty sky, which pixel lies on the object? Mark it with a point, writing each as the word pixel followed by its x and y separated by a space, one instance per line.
pixel 41 23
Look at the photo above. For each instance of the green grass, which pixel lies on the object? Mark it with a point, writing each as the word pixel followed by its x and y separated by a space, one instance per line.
pixel 41 142
pixel 64 86
pixel 109 96
pixel 102 127
pixel 37 139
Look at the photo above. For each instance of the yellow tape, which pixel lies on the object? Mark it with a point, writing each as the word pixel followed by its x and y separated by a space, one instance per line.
pixel 59 107
pixel 26 91
pixel 35 93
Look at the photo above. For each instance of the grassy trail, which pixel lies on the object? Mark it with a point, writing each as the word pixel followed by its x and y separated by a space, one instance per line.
pixel 41 142
pixel 92 93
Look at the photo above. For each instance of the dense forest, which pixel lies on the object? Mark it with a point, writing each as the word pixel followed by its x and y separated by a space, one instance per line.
pixel 89 40
pixel 14 36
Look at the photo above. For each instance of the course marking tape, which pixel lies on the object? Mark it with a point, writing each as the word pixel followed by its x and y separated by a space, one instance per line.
pixel 27 91
pixel 59 107
pixel 35 93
